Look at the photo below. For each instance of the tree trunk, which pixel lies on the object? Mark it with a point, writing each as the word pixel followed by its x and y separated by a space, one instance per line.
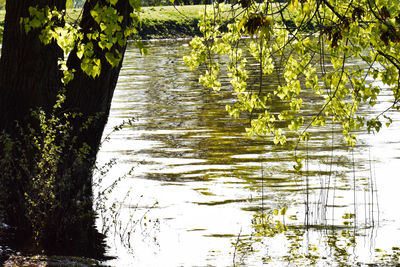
pixel 29 72
pixel 30 79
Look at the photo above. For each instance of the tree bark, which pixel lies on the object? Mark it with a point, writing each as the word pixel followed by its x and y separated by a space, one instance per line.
pixel 29 72
pixel 30 79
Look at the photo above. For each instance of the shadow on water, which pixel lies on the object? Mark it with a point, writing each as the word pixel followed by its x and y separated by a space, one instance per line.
pixel 211 182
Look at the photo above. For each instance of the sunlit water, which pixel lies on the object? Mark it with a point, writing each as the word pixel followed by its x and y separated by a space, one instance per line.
pixel 199 181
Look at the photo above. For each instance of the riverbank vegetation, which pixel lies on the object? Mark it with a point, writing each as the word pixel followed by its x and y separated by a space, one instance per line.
pixel 156 22
pixel 170 21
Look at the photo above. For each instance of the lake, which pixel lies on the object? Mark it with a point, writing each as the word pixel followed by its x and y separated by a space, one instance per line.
pixel 202 193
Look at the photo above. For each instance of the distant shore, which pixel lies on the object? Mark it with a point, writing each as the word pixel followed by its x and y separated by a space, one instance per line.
pixel 159 22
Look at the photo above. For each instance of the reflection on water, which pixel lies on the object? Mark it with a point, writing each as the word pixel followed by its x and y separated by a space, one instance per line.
pixel 216 189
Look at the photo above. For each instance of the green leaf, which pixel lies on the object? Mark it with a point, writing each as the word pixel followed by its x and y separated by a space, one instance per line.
pixel 114 61
pixel 35 23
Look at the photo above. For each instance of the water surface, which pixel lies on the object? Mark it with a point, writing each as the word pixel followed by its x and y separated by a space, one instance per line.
pixel 203 193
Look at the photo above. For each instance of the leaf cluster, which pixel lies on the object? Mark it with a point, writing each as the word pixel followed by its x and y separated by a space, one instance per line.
pixel 332 49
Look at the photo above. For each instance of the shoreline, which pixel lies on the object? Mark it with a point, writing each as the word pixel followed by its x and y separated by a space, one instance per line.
pixel 170 29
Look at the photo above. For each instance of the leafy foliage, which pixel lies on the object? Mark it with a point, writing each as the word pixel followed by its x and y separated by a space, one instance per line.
pixel 331 48
pixel 109 35
pixel 40 153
